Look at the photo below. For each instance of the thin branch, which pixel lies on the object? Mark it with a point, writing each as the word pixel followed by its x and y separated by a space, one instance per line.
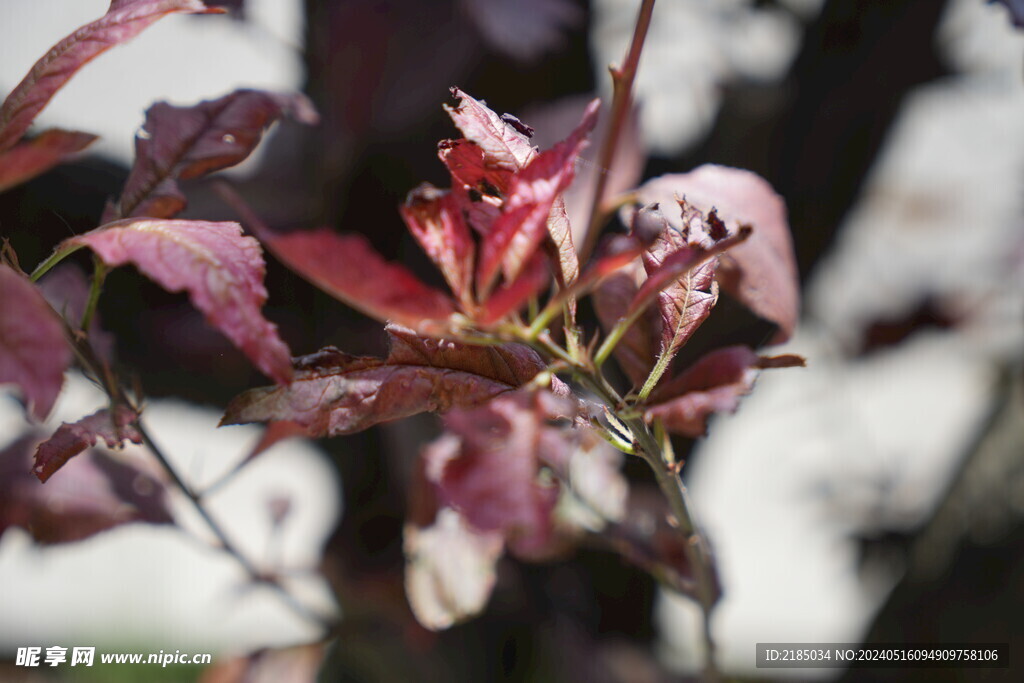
pixel 258 577
pixel 622 99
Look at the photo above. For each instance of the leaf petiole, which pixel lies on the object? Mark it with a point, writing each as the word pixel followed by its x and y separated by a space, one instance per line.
pixel 58 255
pixel 99 274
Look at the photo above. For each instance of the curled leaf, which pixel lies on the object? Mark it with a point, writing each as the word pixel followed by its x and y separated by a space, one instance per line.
pixel 178 143
pixel 503 146
pixel 335 393
pixel 221 270
pixel 71 439
pixel 468 167
pixel 34 157
pixel 436 221
pixel 33 351
pixel 523 222
pixel 761 273
pixel 124 20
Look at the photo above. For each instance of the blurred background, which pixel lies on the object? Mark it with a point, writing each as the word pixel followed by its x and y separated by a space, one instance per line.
pixel 877 495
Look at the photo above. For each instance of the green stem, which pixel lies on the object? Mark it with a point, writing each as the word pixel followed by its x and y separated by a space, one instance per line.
pixel 655 375
pixel 99 274
pixel 56 257
pixel 615 335
pixel 696 546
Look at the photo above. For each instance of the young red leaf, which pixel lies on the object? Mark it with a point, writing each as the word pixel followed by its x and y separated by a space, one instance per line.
pixel 34 157
pixel 221 269
pixel 450 569
pixel 71 439
pixel 348 268
pixel 504 147
pixel 189 142
pixel 335 393
pixel 522 226
pixel 435 220
pixel 679 263
pixel 468 167
pixel 124 20
pixel 714 384
pixel 561 237
pixel 762 272
pixel 96 494
pixel 687 302
pixel 488 466
pixel 33 351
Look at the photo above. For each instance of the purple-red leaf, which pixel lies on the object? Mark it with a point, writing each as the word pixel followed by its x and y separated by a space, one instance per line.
pixel 95 494
pixel 714 384
pixel 450 569
pixel 335 393
pixel 124 20
pixel 511 296
pixel 504 147
pixel 33 351
pixel 33 157
pixel 688 301
pixel 487 466
pixel 762 272
pixel 468 167
pixel 189 142
pixel 638 348
pixel 221 270
pixel 679 263
pixel 348 268
pixel 522 226
pixel 71 439
pixel 436 221
pixel 561 236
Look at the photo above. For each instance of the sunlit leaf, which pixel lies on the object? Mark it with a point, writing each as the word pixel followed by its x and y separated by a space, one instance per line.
pixel 503 146
pixel 335 393
pixel 179 143
pixel 221 270
pixel 124 20
pixel 523 223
